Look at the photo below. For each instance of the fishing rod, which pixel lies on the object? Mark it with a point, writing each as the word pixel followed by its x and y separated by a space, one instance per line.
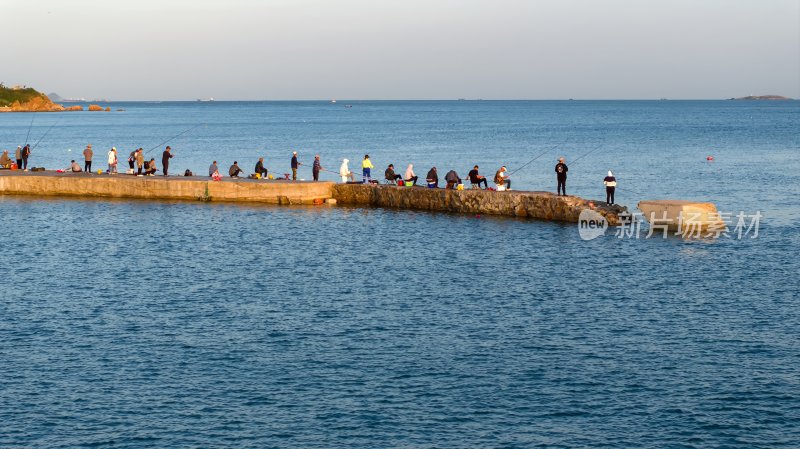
pixel 45 134
pixel 586 154
pixel 29 128
pixel 175 137
pixel 537 157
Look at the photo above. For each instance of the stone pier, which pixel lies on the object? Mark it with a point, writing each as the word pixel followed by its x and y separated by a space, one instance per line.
pixel 523 204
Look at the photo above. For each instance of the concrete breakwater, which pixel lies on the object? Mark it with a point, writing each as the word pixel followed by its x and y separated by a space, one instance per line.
pixel 157 187
pixel 523 204
pixel 537 205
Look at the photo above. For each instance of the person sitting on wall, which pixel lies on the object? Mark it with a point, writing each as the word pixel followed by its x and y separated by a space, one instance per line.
pixel 234 171
pixel 476 179
pixel 390 175
pixel 74 167
pixel 5 161
pixel 452 179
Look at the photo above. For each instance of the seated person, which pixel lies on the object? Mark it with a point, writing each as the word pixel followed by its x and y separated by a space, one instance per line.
pixel 213 169
pixel 5 161
pixel 390 175
pixel 452 179
pixel 501 178
pixel 260 170
pixel 432 177
pixel 477 179
pixel 188 173
pixel 74 167
pixel 150 167
pixel 234 171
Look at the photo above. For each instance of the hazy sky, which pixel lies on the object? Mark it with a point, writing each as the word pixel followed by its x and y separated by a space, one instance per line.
pixel 404 49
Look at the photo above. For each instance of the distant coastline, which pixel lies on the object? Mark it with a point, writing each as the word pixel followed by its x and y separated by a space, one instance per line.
pixel 762 97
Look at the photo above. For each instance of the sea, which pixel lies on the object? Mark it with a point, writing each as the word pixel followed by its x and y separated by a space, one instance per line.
pixel 152 324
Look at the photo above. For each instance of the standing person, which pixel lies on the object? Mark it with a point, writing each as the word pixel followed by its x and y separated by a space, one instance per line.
pixel 213 169
pixel 260 170
pixel 165 157
pixel 112 161
pixel 611 185
pixel 26 152
pixel 366 168
pixel 561 176
pixel 409 175
pixel 452 179
pixel 234 171
pixel 344 171
pixel 295 164
pixel 87 157
pixel 18 156
pixel 132 160
pixel 501 178
pixel 139 161
pixel 316 168
pixel 432 177
pixel 476 178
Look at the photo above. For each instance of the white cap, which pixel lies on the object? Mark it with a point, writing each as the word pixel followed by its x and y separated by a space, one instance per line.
pixel 610 174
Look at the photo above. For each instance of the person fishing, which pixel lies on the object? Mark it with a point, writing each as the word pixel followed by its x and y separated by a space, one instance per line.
pixel 150 167
pixel 235 170
pixel 165 157
pixel 132 160
pixel 561 176
pixel 295 165
pixel 87 158
pixel 390 175
pixel 260 170
pixel 112 161
pixel 432 178
pixel 410 176
pixel 501 178
pixel 316 168
pixel 213 169
pixel 452 179
pixel 5 161
pixel 476 178
pixel 18 156
pixel 26 152
pixel 611 185
pixel 366 168
pixel 344 171
pixel 139 161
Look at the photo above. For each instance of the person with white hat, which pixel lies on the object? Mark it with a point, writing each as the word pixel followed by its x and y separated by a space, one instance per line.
pixel 295 164
pixel 611 185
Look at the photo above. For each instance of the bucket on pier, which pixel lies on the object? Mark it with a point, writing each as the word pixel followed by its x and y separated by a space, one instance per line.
pixel 431 185
pixel 409 183
pixel 460 187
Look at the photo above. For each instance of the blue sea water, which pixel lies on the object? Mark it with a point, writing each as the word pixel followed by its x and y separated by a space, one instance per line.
pixel 159 324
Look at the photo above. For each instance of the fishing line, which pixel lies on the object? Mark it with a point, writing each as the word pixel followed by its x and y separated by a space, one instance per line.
pixel 45 134
pixel 175 137
pixel 29 128
pixel 537 157
pixel 586 154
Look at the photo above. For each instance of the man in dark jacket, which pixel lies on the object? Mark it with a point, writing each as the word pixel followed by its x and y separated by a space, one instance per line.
pixel 390 175
pixel 452 179
pixel 561 176
pixel 234 171
pixel 165 160
pixel 315 169
pixel 260 170
pixel 295 164
pixel 26 152
pixel 432 177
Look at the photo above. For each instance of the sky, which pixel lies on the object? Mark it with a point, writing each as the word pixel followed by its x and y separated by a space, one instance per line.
pixel 402 49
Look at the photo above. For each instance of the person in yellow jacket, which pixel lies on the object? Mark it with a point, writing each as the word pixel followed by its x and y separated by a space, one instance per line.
pixel 366 165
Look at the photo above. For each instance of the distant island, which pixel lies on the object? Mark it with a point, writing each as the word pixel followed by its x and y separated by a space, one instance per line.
pixel 762 97
pixel 28 99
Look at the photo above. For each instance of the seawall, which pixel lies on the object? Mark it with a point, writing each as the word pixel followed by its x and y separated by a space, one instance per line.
pixel 160 188
pixel 524 204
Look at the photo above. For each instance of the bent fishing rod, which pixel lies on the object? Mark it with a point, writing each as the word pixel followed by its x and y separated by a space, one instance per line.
pixel 29 128
pixel 175 137
pixel 45 134
pixel 537 157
